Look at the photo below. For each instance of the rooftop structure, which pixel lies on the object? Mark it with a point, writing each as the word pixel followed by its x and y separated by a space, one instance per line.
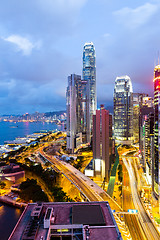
pixel 83 221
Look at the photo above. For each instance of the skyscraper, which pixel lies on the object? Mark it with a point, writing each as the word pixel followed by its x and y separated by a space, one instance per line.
pixel 123 110
pixel 156 169
pixel 82 110
pixel 148 144
pixel 71 96
pixel 77 112
pixel 102 142
pixel 89 75
pixel 137 104
pixel 146 108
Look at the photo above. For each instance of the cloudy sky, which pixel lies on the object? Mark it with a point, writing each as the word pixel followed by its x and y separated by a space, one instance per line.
pixel 41 43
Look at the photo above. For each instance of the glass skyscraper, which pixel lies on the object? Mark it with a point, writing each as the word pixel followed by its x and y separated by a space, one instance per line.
pixel 89 75
pixel 123 110
pixel 71 97
pixel 77 112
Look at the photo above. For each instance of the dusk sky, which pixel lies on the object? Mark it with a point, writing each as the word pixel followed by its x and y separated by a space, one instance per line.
pixel 41 43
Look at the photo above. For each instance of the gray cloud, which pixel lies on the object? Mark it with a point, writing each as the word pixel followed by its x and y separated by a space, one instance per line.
pixel 41 44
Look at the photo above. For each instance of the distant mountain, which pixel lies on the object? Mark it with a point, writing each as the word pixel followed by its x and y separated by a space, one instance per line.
pixel 9 115
pixel 47 114
pixel 51 114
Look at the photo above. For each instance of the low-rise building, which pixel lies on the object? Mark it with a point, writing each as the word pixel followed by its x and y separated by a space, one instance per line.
pixel 67 221
pixel 12 172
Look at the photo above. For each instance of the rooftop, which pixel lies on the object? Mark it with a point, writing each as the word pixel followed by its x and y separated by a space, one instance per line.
pixel 88 215
pixel 87 220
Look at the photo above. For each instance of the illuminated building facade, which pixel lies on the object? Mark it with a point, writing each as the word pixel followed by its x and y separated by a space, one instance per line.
pixel 146 109
pixel 71 96
pixel 77 112
pixel 82 111
pixel 123 110
pixel 148 145
pixel 102 142
pixel 89 75
pixel 156 174
pixel 137 103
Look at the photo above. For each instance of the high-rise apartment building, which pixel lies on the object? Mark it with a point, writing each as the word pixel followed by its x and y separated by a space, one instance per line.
pixel 146 109
pixel 156 168
pixel 123 110
pixel 137 103
pixel 78 128
pixel 148 144
pixel 89 75
pixel 102 142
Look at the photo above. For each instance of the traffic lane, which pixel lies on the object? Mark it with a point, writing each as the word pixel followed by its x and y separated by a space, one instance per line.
pixel 77 181
pixel 147 226
pixel 102 196
pixel 131 220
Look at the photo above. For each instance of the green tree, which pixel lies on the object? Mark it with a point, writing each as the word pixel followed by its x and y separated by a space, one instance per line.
pixel 30 190
pixel 120 175
pixel 2 185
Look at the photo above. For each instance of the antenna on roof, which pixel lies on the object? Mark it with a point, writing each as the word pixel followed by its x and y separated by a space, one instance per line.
pixel 154 62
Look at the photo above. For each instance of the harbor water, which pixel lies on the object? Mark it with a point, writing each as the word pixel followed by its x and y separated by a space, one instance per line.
pixel 9 131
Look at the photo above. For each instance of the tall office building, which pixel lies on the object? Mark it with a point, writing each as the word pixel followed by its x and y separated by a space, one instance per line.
pixel 77 112
pixel 123 110
pixel 102 142
pixel 89 75
pixel 71 96
pixel 156 169
pixel 82 110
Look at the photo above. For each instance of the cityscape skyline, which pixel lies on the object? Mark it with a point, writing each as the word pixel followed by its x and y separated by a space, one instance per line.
pixel 80 157
pixel 36 58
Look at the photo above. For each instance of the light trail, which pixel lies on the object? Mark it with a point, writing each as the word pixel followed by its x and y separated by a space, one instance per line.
pixel 148 227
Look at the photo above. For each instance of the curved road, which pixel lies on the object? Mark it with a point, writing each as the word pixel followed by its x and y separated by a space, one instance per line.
pixel 131 220
pixel 90 189
pixel 149 230
pixel 140 226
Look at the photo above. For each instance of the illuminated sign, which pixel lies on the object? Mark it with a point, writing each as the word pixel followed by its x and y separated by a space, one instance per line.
pixel 89 173
pixel 97 164
pixel 132 210
pixel 62 230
